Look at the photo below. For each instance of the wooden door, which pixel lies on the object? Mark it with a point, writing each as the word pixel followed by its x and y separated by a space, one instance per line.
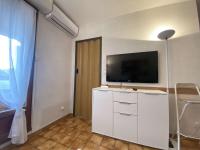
pixel 88 69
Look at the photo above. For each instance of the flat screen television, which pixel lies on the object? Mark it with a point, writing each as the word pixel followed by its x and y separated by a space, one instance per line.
pixel 133 67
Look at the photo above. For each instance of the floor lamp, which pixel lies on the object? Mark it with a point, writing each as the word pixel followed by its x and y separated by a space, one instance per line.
pixel 165 35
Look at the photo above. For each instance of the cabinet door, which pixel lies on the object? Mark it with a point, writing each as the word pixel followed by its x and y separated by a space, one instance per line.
pixel 153 120
pixel 125 127
pixel 102 112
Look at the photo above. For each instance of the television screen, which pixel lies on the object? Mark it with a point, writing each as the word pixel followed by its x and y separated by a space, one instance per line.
pixel 133 67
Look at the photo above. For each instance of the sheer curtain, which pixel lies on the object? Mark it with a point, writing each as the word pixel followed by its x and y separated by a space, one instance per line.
pixel 17 38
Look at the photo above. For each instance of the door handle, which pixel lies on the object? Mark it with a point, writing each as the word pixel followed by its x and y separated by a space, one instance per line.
pixel 76 70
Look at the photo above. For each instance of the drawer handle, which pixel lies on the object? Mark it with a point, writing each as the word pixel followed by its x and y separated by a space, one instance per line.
pixel 126 92
pixel 124 114
pixel 104 90
pixel 127 103
pixel 152 94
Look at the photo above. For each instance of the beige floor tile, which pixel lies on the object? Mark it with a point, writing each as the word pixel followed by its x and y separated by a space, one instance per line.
pixel 190 144
pixel 49 134
pixel 37 141
pixel 97 139
pixel 108 143
pixel 88 129
pixel 55 128
pixel 66 130
pixel 149 148
pixel 135 147
pixel 59 147
pixel 78 144
pixel 120 145
pixel 58 137
pixel 42 132
pixel 85 136
pixel 103 148
pixel 67 141
pixel 72 133
pixel 47 145
pixel 91 146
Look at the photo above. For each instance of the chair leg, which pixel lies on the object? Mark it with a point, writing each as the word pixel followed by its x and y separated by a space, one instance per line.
pixel 173 136
pixel 178 141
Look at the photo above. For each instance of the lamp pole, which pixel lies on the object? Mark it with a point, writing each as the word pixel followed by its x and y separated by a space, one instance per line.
pixel 167 63
pixel 165 35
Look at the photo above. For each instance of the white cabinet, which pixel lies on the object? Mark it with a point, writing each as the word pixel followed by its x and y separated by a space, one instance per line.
pixel 125 127
pixel 102 112
pixel 153 120
pixel 140 117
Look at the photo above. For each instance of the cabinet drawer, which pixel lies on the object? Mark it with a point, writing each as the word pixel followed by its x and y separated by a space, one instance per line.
pixel 125 127
pixel 124 107
pixel 129 97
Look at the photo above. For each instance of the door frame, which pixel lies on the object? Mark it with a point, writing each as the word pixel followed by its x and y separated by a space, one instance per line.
pixel 76 45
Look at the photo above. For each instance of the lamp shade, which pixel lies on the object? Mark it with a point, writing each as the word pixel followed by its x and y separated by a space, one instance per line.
pixel 164 35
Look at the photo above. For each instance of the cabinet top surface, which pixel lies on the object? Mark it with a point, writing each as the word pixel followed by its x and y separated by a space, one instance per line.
pixel 130 90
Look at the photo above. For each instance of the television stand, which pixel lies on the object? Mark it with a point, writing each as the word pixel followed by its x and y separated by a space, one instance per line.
pixel 140 116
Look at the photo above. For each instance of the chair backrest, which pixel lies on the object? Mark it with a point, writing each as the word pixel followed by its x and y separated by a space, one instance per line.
pixel 190 86
pixel 197 87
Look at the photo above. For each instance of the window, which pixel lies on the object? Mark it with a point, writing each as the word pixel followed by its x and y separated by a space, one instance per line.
pixel 8 48
pixel 17 39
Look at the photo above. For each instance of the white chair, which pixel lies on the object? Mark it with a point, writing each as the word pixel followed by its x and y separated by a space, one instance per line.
pixel 183 103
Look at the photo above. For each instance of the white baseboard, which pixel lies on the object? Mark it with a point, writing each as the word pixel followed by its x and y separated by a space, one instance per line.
pixel 47 124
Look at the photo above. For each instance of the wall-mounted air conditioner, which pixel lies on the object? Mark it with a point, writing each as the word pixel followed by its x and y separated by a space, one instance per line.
pixel 63 22
pixel 55 15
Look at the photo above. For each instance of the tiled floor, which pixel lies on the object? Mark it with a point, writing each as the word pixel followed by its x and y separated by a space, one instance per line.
pixel 75 134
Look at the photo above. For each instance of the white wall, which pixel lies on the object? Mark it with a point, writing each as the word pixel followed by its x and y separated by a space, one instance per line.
pixel 52 80
pixel 145 25
pixel 185 59
pixel 111 46
pixel 184 66
pixel 120 34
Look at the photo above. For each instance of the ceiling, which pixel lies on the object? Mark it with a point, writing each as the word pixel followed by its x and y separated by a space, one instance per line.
pixel 88 11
